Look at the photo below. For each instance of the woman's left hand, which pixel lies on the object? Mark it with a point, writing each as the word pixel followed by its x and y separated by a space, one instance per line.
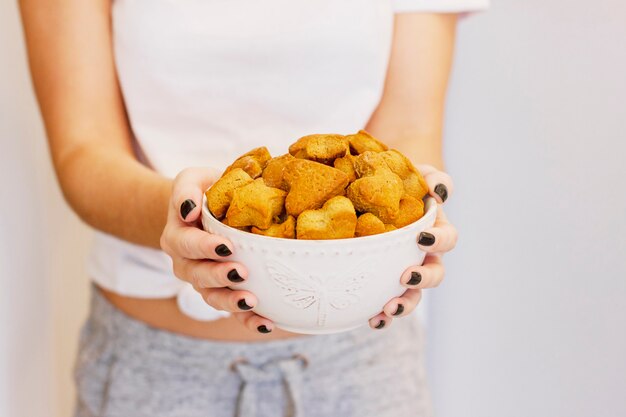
pixel 435 242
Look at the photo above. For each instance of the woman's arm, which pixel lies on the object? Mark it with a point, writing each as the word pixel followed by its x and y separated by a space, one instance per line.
pixel 71 60
pixel 410 118
pixel 410 114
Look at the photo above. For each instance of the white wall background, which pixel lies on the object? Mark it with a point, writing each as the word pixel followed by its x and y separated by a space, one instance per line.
pixel 43 288
pixel 531 319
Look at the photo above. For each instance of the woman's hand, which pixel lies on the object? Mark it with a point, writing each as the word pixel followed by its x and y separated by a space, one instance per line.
pixel 435 242
pixel 202 258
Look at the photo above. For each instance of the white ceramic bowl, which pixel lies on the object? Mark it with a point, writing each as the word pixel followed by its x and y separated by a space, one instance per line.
pixel 324 286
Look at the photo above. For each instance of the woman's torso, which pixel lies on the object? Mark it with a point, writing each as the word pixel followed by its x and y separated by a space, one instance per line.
pixel 207 80
pixel 163 313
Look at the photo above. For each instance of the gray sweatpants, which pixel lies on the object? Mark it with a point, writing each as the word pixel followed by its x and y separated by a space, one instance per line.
pixel 128 369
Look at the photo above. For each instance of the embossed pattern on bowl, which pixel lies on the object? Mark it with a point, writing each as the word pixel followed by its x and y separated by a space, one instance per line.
pixel 324 286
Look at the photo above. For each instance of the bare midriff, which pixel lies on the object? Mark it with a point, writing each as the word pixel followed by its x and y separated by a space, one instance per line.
pixel 164 314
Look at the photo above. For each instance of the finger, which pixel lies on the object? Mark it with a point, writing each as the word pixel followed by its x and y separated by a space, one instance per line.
pixel 442 237
pixel 401 306
pixel 255 323
pixel 189 186
pixel 428 275
pixel 234 301
pixel 440 184
pixel 193 243
pixel 208 274
pixel 380 321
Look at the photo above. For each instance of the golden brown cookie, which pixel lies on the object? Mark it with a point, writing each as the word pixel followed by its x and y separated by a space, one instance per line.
pixel 311 184
pixel 398 163
pixel 252 162
pixel 299 146
pixel 346 164
pixel 285 230
pixel 255 204
pixel 326 149
pixel 242 228
pixel 411 210
pixel 367 163
pixel 301 154
pixel 335 220
pixel 221 193
pixel 275 170
pixel 367 224
pixel 378 194
pixel 362 142
pixel 320 148
pixel 415 185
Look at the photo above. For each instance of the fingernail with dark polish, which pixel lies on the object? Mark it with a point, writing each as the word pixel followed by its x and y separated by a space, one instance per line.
pixel 186 208
pixel 233 276
pixel 263 329
pixel 399 310
pixel 222 250
pixel 380 325
pixel 243 305
pixel 442 191
pixel 426 239
pixel 416 278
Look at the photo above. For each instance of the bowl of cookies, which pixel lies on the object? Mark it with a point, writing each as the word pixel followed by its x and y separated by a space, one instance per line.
pixel 325 230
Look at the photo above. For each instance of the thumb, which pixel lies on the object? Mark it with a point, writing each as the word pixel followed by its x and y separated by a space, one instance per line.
pixel 440 184
pixel 187 192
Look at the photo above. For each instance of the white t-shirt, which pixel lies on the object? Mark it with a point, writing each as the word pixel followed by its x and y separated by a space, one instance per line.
pixel 207 80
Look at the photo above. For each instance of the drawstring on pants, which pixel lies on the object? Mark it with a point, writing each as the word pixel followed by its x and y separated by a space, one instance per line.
pixel 288 370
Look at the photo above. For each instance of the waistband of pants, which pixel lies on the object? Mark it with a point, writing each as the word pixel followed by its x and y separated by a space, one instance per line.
pixel 136 337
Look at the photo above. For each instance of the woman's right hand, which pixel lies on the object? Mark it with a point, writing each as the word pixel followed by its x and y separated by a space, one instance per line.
pixel 202 258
